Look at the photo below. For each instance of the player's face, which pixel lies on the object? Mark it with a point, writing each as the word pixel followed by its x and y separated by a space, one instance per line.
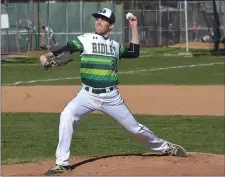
pixel 102 25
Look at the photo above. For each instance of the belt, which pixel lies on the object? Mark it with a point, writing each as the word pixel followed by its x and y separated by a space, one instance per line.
pixel 100 90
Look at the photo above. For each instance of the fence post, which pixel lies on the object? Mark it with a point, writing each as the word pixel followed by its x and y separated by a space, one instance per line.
pixel 7 30
pixel 38 15
pixel 48 25
pixel 114 10
pixel 160 24
pixel 32 20
pixel 186 24
pixel 81 16
pixel 67 21
pixel 123 29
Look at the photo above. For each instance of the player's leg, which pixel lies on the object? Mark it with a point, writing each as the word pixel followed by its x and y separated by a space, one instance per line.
pixel 120 112
pixel 53 39
pixel 51 43
pixel 124 117
pixel 69 117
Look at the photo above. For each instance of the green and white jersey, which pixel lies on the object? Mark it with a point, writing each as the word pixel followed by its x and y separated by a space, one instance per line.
pixel 99 59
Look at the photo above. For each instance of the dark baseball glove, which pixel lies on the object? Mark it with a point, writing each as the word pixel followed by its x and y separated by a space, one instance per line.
pixel 59 60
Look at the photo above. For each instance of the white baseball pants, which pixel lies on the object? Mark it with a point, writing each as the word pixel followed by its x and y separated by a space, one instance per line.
pixel 111 104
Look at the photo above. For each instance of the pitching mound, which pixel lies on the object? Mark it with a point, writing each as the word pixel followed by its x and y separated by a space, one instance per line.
pixel 196 164
pixel 16 58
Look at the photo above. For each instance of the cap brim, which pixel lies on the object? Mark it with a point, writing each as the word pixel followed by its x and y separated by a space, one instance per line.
pixel 95 15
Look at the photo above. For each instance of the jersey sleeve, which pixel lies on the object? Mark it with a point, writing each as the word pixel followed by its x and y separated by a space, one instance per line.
pixel 132 52
pixel 122 50
pixel 76 45
pixel 71 46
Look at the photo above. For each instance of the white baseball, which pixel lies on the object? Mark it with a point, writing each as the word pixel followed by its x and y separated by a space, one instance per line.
pixel 129 15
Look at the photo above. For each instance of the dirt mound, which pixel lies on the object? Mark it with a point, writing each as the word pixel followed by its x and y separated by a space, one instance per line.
pixel 196 164
pixel 16 58
pixel 197 45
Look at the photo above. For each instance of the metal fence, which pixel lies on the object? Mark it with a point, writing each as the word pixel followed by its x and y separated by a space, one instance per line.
pixel 161 22
pixel 17 37
pixel 66 19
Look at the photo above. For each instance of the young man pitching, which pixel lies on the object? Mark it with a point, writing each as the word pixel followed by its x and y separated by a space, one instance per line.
pixel 98 70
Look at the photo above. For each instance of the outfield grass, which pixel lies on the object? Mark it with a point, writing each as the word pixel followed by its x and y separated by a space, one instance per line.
pixel 33 137
pixel 150 50
pixel 173 50
pixel 151 70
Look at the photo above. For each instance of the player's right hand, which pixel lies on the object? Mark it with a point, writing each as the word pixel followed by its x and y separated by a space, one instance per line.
pixel 133 22
pixel 43 59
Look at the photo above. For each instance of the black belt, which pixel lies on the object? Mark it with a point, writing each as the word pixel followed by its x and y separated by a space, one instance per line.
pixel 98 91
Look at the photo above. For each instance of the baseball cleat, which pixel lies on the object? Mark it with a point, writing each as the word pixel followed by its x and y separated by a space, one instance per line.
pixel 57 169
pixel 176 150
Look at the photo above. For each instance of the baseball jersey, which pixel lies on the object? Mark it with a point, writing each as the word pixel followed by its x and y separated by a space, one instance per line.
pixel 49 31
pixel 99 59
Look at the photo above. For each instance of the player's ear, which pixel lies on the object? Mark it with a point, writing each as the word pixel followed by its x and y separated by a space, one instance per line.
pixel 111 26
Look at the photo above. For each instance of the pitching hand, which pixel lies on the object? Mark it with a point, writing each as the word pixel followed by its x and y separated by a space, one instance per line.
pixel 133 22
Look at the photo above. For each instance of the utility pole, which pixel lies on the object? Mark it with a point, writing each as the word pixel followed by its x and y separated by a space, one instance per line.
pixel 32 21
pixel 38 14
pixel 160 25
pixel 186 24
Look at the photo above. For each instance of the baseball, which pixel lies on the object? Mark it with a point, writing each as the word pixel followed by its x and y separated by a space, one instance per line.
pixel 129 15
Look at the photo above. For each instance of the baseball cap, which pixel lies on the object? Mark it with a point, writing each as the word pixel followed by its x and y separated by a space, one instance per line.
pixel 106 13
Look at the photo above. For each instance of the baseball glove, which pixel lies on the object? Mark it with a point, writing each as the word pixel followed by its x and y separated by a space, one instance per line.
pixel 58 60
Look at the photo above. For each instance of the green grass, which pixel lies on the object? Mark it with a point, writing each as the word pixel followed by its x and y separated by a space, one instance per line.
pixel 151 50
pixel 172 50
pixel 212 74
pixel 33 137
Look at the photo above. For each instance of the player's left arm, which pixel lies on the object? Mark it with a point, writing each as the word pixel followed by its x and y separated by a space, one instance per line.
pixel 62 55
pixel 134 48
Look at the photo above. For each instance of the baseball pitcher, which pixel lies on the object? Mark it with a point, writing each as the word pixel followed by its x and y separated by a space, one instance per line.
pixel 100 56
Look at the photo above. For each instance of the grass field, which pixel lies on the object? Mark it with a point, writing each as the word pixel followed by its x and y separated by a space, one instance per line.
pixel 34 137
pixel 157 51
pixel 144 70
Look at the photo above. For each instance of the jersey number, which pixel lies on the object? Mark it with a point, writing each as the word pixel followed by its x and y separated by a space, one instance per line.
pixel 114 65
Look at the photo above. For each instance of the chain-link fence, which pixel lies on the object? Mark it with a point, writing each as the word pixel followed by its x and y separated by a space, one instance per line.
pixel 16 38
pixel 161 22
pixel 66 19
